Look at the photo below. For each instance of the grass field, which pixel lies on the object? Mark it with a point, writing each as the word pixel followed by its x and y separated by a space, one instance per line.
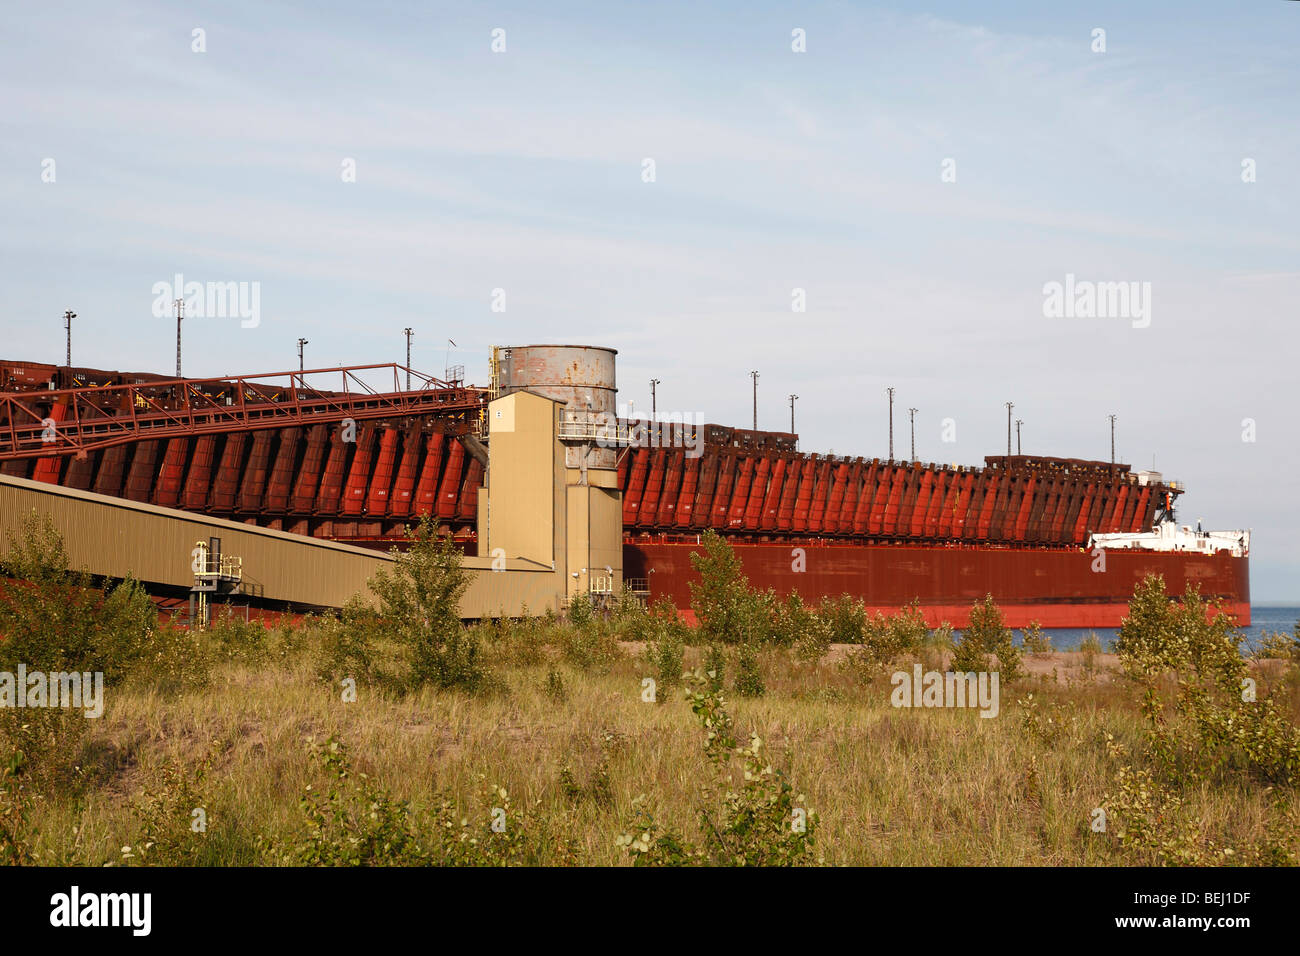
pixel 890 785
pixel 534 743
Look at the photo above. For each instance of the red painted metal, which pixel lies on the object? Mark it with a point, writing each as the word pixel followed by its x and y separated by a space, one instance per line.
pixel 1113 519
pixel 1081 516
pixel 686 499
pixel 198 479
pixel 449 488
pixel 862 515
pixel 722 494
pixel 920 509
pixel 789 494
pixel 1056 587
pixel 354 489
pixel 835 505
pixel 649 510
pixel 821 495
pixel 382 480
pixel 753 511
pixel 399 504
pixel 81 472
pixel 672 487
pixel 740 496
pixel 468 510
pixel 992 490
pixel 890 523
pixel 852 493
pixel 106 416
pixel 330 488
pixel 771 507
pixel 313 460
pixel 112 466
pixel 279 487
pixel 426 492
pixel 803 501
pixel 255 473
pixel 636 487
pixel 139 476
pixel 1140 518
pixel 700 514
pixel 225 481
pixel 948 510
pixel 171 476
pixel 47 468
pixel 1026 506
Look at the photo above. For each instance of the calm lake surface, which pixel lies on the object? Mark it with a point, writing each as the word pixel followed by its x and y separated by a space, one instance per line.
pixel 1262 619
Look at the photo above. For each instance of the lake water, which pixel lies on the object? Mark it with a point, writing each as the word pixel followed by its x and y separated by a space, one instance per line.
pixel 1262 619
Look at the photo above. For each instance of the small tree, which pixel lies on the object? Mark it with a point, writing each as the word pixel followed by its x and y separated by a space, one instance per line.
pixel 420 609
pixel 987 635
pixel 722 599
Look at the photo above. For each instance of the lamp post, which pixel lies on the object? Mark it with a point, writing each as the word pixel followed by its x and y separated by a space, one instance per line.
pixel 408 358
pixel 754 376
pixel 68 316
pixel 890 390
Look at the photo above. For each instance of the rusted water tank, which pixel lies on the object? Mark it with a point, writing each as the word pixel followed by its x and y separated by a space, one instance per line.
pixel 580 376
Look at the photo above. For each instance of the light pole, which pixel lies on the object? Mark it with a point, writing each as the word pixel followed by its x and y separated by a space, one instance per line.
pixel 1112 445
pixel 67 324
pixel 754 376
pixel 890 390
pixel 301 343
pixel 180 314
pixel 911 412
pixel 1019 422
pixel 408 358
pixel 793 398
pixel 654 407
pixel 1010 405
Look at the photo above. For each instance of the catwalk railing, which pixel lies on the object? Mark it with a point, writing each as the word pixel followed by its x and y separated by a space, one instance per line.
pixel 75 421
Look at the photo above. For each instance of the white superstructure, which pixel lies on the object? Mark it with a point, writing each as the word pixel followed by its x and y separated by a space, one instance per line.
pixel 1170 536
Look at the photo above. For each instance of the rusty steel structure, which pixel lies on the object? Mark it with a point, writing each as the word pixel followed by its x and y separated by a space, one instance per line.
pixel 270 450
pixel 74 421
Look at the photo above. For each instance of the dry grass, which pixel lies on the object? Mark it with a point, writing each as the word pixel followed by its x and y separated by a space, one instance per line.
pixel 891 786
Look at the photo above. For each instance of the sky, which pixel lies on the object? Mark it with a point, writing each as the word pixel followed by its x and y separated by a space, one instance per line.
pixel 915 177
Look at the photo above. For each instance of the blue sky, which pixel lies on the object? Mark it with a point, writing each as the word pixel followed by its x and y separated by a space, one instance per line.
pixel 775 170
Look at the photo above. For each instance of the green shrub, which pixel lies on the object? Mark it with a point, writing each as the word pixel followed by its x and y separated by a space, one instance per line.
pixel 16 836
pixel 1090 649
pixel 715 666
pixel 761 822
pixel 1204 723
pixel 725 606
pixel 666 657
pixel 555 688
pixel 984 638
pixel 419 608
pixel 234 639
pixel 749 673
pixel 845 618
pixel 348 647
pixel 1278 646
pixel 55 619
pixel 589 648
pixel 1034 640
pixel 354 821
